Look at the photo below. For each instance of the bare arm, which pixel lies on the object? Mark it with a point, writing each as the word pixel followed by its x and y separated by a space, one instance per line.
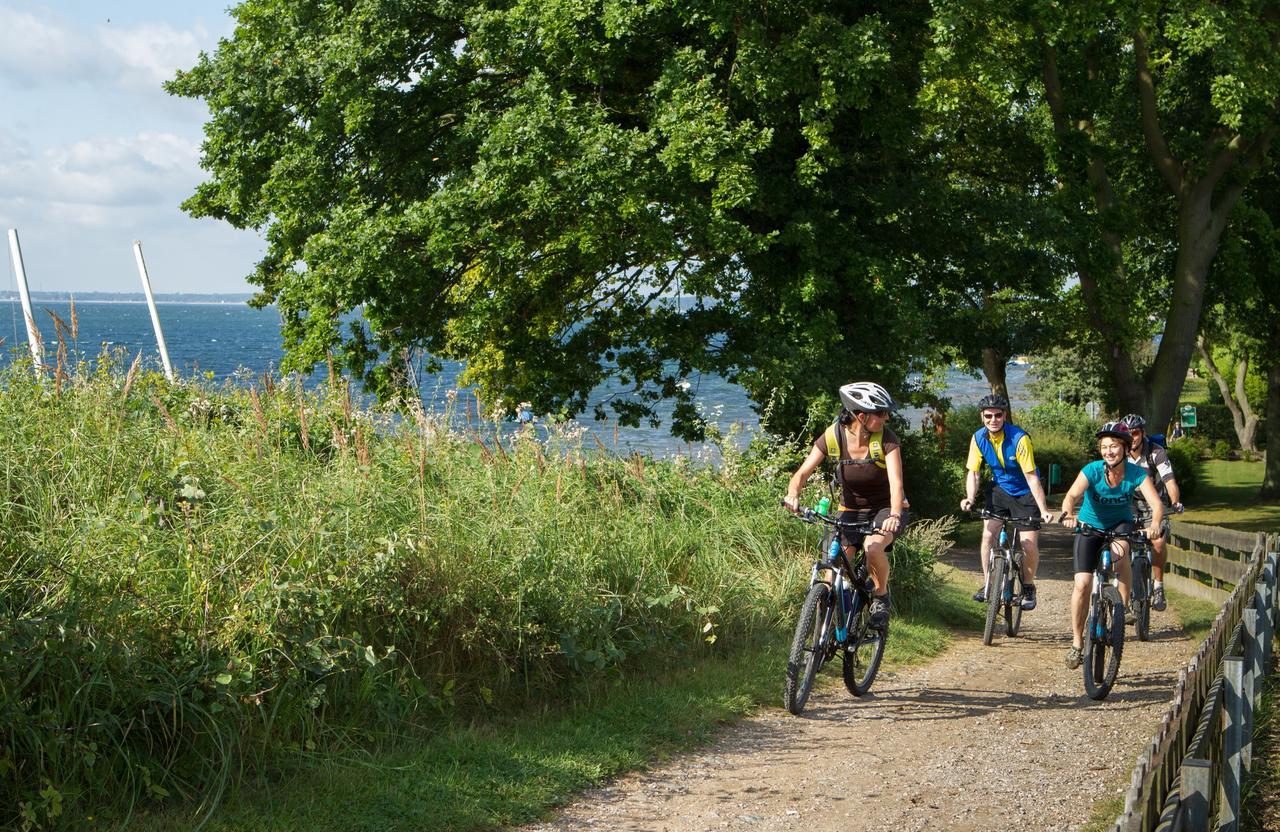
pixel 1152 497
pixel 1073 496
pixel 971 480
pixel 1037 492
pixel 801 476
pixel 893 463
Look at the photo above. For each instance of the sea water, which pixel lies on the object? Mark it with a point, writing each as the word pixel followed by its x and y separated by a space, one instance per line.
pixel 231 339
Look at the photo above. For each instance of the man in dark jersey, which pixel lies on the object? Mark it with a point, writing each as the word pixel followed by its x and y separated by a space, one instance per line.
pixel 1153 459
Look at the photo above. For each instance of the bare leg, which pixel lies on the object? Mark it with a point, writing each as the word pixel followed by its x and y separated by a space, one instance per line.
pixel 878 561
pixel 1080 606
pixel 1158 556
pixel 1030 556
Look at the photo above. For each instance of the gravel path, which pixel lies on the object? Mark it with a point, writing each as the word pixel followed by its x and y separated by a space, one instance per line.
pixel 980 738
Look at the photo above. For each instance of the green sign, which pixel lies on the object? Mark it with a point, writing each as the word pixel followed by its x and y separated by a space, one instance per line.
pixel 1188 415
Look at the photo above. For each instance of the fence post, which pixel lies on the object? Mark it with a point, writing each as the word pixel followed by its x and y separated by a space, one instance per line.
pixel 1232 742
pixel 1252 681
pixel 1197 777
pixel 1262 602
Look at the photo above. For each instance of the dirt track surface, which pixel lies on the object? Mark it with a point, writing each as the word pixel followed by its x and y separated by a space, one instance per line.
pixel 980 738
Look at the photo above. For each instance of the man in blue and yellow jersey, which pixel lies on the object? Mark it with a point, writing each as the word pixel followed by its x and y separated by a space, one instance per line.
pixel 1016 492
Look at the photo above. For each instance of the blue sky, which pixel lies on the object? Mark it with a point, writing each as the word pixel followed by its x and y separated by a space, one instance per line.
pixel 94 154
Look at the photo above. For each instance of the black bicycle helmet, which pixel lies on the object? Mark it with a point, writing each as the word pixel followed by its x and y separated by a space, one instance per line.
pixel 1116 430
pixel 1134 422
pixel 866 397
pixel 994 400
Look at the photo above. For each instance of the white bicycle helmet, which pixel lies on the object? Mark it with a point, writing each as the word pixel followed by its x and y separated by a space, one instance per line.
pixel 866 397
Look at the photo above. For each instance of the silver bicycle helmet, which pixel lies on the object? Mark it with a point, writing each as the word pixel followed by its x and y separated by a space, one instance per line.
pixel 866 397
pixel 995 400
pixel 1134 422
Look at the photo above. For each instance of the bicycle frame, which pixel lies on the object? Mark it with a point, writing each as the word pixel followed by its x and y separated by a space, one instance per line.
pixel 848 580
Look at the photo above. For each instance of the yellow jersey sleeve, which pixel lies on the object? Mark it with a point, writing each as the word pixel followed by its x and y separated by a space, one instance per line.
pixel 975 456
pixel 1026 455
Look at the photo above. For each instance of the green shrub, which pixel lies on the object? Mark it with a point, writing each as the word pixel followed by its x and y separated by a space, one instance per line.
pixel 933 478
pixel 1054 447
pixel 1069 422
pixel 1221 449
pixel 1187 467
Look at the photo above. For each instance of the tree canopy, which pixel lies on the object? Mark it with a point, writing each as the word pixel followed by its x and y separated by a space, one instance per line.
pixel 789 195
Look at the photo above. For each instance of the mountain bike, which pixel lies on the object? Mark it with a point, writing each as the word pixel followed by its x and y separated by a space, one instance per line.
pixel 1140 588
pixel 1104 628
pixel 835 617
pixel 1004 580
pixel 1143 583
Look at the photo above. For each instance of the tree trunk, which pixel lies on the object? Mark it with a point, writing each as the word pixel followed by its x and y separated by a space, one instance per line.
pixel 1200 226
pixel 1243 419
pixel 994 368
pixel 1271 471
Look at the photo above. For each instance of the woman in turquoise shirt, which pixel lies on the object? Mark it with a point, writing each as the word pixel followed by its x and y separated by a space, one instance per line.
pixel 1107 486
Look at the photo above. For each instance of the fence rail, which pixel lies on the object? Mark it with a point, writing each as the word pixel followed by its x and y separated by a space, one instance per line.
pixel 1220 556
pixel 1188 777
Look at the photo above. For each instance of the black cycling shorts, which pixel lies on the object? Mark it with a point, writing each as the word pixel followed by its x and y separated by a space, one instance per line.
pixel 1005 504
pixel 1088 547
pixel 849 538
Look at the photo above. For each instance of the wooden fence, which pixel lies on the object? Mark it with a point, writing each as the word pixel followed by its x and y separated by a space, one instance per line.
pixel 1188 777
pixel 1207 561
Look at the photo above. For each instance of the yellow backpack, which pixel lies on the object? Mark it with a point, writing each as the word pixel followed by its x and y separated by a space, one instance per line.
pixel 835 447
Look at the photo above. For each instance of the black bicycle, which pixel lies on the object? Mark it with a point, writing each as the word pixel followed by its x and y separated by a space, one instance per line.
pixel 835 618
pixel 1004 580
pixel 1104 628
pixel 1140 587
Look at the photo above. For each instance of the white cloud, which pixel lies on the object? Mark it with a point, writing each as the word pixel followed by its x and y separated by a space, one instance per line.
pixel 150 54
pixel 96 182
pixel 43 50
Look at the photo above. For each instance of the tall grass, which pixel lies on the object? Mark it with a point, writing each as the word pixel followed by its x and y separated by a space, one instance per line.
pixel 197 583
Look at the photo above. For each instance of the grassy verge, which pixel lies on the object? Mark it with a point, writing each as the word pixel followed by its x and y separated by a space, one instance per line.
pixel 201 586
pixel 1194 614
pixel 515 770
pixel 1260 810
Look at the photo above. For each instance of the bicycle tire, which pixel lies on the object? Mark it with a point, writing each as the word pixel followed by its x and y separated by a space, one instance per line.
pixel 808 647
pixel 1102 652
pixel 863 652
pixel 995 595
pixel 1141 600
pixel 1013 609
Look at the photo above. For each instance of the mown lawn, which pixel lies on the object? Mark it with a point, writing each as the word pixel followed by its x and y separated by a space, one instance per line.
pixel 1228 496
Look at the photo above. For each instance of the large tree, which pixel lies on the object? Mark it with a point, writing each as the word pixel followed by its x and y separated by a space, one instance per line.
pixel 565 192
pixel 1153 117
pixel 1249 303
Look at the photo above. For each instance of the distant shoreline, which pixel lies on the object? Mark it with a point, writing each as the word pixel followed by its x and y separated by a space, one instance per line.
pixel 67 297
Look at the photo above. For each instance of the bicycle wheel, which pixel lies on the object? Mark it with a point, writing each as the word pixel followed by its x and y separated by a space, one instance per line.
pixel 1140 598
pixel 995 595
pixel 1103 645
pixel 1013 609
pixel 808 647
pixel 863 651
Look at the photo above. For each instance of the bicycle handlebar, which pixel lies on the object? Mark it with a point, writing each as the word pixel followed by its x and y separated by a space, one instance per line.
pixel 808 515
pixel 1031 523
pixel 1139 536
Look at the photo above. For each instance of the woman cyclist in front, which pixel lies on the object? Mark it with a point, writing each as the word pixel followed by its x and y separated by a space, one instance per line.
pixel 869 470
pixel 1107 486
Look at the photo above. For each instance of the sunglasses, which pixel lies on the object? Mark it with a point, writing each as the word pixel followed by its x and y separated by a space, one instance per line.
pixel 988 416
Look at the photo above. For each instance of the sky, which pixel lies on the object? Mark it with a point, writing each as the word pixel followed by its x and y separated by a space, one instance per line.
pixel 94 154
